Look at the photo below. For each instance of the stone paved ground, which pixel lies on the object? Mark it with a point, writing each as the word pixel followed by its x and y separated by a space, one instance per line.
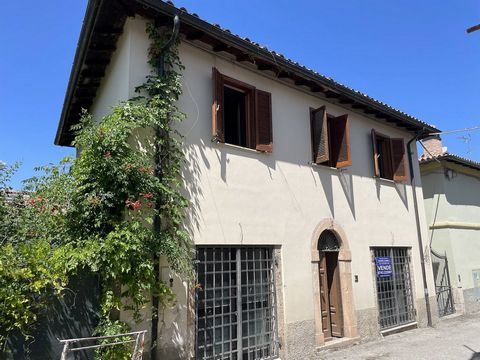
pixel 454 338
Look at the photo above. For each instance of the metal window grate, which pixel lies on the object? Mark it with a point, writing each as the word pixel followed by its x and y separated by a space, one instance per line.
pixel 233 279
pixel 394 292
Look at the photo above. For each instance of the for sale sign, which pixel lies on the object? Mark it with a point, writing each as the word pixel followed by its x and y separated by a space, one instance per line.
pixel 384 266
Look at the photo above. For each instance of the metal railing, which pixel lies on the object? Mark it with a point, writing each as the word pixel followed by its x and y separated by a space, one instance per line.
pixel 443 288
pixel 137 337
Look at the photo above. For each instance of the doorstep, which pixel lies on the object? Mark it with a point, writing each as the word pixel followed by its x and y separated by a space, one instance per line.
pixel 339 343
pixel 400 328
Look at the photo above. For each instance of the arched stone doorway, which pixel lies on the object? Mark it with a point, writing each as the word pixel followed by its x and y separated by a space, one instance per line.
pixel 332 284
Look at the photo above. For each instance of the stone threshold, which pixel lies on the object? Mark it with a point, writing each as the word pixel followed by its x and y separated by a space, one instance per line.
pixel 451 316
pixel 338 343
pixel 398 329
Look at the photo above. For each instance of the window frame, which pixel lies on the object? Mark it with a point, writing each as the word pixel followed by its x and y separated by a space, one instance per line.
pixel 249 91
pixel 330 140
pixel 391 171
pixel 239 299
pixel 258 122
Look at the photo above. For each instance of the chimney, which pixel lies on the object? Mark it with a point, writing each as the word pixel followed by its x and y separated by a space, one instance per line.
pixel 433 147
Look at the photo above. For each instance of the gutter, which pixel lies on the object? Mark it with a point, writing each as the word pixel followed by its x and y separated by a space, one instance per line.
pixel 157 221
pixel 418 136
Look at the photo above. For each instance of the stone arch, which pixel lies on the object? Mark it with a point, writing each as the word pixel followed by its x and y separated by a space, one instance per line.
pixel 344 263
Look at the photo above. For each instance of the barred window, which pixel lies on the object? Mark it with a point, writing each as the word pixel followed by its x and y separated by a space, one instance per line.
pixel 235 303
pixel 394 288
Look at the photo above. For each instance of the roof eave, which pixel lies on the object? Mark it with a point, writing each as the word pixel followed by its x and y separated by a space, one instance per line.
pixel 87 28
pixel 161 8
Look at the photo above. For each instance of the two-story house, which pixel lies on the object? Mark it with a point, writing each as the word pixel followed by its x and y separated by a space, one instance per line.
pixel 307 228
pixel 452 204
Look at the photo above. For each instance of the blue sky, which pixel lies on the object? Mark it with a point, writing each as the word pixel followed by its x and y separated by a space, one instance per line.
pixel 414 55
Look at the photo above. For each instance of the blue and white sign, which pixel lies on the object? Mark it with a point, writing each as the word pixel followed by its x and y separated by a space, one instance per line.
pixel 384 266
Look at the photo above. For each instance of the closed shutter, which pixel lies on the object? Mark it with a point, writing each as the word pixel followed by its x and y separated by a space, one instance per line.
pixel 340 142
pixel 398 159
pixel 376 155
pixel 263 121
pixel 218 131
pixel 319 133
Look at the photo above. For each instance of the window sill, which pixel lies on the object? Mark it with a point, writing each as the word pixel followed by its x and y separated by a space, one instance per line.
pixel 319 166
pixel 238 147
pixel 389 181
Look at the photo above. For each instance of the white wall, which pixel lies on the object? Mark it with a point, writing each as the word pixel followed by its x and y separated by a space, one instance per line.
pixel 240 196
pixel 127 69
pixel 245 197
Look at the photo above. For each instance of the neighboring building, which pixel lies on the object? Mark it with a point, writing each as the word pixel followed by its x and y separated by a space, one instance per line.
pixel 302 209
pixel 451 188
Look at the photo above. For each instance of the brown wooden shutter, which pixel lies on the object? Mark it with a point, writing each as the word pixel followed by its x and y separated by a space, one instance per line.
pixel 218 131
pixel 376 167
pixel 319 133
pixel 398 159
pixel 340 142
pixel 263 121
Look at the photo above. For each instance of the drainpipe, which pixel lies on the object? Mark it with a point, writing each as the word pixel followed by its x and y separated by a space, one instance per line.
pixel 157 222
pixel 419 135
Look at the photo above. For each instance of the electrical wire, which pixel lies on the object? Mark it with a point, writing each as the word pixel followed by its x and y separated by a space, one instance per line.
pixel 477 127
pixel 429 153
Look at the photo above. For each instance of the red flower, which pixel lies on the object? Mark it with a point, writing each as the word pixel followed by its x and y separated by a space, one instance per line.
pixel 133 205
pixel 147 195
pixel 107 154
pixel 137 205
pixel 150 204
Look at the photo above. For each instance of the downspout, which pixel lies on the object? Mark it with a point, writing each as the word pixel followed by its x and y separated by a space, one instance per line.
pixel 423 132
pixel 157 222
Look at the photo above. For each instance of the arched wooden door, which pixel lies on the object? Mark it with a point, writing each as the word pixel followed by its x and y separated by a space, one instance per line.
pixel 330 289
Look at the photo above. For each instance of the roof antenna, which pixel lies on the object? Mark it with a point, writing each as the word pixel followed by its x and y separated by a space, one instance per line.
pixel 467 140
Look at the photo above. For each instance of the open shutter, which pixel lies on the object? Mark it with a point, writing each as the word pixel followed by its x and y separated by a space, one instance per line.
pixel 319 132
pixel 340 142
pixel 376 155
pixel 263 121
pixel 398 159
pixel 218 131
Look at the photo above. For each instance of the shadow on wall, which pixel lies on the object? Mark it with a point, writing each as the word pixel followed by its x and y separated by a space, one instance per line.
pixel 74 316
pixel 175 335
pixel 325 176
pixel 401 189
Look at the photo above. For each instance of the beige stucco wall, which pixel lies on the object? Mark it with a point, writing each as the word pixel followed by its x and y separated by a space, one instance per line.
pixel 240 196
pixel 246 197
pixel 127 69
pixel 455 200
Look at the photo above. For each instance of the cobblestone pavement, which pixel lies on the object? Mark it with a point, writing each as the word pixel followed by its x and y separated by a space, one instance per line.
pixel 453 338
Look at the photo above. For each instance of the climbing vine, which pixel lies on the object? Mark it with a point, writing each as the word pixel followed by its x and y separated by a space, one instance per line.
pixel 95 213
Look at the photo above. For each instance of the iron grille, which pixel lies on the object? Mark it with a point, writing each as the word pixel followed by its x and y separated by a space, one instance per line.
pixel 443 288
pixel 394 292
pixel 235 303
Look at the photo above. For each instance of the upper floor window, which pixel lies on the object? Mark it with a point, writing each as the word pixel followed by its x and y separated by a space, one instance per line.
pixel 330 139
pixel 241 114
pixel 389 157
